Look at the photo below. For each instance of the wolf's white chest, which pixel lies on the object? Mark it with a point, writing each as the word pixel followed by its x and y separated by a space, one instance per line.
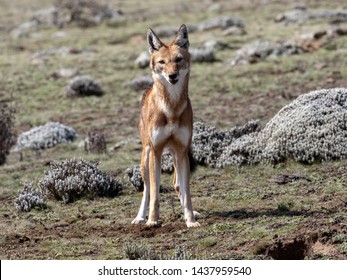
pixel 161 134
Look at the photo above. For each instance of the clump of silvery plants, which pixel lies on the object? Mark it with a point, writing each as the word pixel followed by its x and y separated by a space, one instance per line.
pixel 82 86
pixel 209 143
pixel 45 136
pixel 95 142
pixel 140 83
pixel 29 198
pixel 311 128
pixel 135 177
pixel 72 179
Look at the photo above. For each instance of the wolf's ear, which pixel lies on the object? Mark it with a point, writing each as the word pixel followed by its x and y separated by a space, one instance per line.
pixel 154 42
pixel 182 37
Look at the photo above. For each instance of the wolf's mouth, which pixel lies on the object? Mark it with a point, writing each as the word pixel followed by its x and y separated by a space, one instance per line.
pixel 174 81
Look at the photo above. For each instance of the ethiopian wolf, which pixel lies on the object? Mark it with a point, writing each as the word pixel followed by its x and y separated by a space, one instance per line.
pixel 166 123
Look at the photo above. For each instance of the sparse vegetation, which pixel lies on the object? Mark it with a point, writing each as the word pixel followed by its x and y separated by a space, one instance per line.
pixel 29 198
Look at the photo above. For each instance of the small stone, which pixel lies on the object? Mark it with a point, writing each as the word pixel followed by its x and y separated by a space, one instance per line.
pixel 143 59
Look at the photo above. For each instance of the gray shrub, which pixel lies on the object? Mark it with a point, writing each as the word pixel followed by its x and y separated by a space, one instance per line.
pixel 134 175
pixel 209 144
pixel 72 179
pixel 140 83
pixel 45 136
pixel 311 128
pixel 82 86
pixel 29 198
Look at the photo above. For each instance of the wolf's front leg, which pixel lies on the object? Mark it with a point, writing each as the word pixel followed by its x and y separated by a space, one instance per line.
pixel 182 178
pixel 154 175
pixel 141 216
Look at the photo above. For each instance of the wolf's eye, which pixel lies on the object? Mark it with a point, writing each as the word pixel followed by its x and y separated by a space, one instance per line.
pixel 161 61
pixel 178 59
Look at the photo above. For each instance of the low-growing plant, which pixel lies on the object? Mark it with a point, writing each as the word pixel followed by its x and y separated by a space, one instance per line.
pixel 82 86
pixel 285 206
pixel 72 179
pixel 29 198
pixel 95 142
pixel 134 175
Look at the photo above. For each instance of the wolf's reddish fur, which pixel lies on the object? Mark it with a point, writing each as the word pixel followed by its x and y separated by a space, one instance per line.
pixel 166 123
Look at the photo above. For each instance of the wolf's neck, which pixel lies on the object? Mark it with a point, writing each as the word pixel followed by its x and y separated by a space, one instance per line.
pixel 173 93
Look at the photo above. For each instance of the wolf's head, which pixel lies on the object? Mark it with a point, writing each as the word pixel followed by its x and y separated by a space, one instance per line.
pixel 170 64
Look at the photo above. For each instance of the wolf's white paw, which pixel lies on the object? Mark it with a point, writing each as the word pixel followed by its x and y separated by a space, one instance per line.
pixel 137 221
pixel 193 224
pixel 151 223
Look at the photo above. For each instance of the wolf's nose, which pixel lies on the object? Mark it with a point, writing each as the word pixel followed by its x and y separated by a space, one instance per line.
pixel 173 76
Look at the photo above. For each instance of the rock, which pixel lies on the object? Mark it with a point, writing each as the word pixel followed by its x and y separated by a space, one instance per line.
pixel 82 86
pixel 202 54
pixel 221 22
pixel 215 45
pixel 86 13
pixel 24 29
pixel 302 15
pixel 234 30
pixel 65 73
pixel 45 136
pixel 83 13
pixel 46 16
pixel 259 51
pixel 293 16
pixel 143 59
pixel 141 83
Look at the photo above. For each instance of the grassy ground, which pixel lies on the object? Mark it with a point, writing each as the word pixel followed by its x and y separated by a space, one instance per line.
pixel 244 213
